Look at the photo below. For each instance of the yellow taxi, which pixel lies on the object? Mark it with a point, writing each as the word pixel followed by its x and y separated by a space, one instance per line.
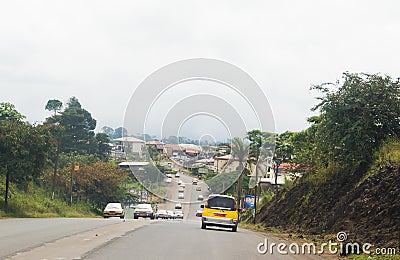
pixel 221 211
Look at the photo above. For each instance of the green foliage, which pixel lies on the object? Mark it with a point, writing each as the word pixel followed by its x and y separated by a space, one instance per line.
pixel 357 116
pixel 8 111
pixel 35 203
pixel 53 105
pixel 24 150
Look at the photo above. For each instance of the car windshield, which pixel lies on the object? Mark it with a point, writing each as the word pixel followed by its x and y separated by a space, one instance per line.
pixel 221 203
pixel 143 206
pixel 113 206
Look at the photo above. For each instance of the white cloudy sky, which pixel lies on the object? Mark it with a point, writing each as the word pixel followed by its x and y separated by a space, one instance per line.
pixel 99 51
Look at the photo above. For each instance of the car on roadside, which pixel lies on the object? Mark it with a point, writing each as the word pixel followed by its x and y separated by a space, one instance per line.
pixel 177 175
pixel 168 180
pixel 199 213
pixel 168 175
pixel 143 211
pixel 178 206
pixel 178 214
pixel 161 213
pixel 171 214
pixel 113 209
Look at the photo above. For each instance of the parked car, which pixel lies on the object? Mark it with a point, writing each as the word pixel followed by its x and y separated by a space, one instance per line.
pixel 199 213
pixel 161 213
pixel 180 182
pixel 113 210
pixel 169 180
pixel 194 181
pixel 177 175
pixel 181 190
pixel 144 211
pixel 181 195
pixel 171 214
pixel 178 206
pixel 178 214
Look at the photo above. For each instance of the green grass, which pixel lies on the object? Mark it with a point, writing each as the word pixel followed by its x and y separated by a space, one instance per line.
pixel 35 203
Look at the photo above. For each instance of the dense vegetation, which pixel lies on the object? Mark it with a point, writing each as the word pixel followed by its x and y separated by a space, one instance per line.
pixel 349 157
pixel 58 163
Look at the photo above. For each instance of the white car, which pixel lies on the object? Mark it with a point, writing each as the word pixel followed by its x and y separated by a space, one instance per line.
pixel 168 180
pixel 144 211
pixel 178 206
pixel 171 214
pixel 178 214
pixel 181 196
pixel 177 175
pixel 180 182
pixel 200 197
pixel 181 190
pixel 113 210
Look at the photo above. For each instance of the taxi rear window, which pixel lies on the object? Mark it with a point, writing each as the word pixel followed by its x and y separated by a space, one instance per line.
pixel 221 203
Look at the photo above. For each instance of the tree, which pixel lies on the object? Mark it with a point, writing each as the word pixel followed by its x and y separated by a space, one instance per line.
pixel 79 129
pixel 240 152
pixel 108 131
pixel 23 152
pixel 54 105
pixel 357 116
pixel 8 111
pixel 120 132
pixel 103 146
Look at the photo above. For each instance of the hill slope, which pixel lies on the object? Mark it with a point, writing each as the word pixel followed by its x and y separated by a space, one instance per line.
pixel 365 204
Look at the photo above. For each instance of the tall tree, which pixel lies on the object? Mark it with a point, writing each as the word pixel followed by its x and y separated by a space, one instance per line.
pixel 53 105
pixel 79 128
pixel 240 152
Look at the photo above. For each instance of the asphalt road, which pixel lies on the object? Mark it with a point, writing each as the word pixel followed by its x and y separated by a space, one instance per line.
pixel 132 239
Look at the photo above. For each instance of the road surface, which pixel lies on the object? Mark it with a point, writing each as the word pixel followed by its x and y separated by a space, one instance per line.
pixel 133 239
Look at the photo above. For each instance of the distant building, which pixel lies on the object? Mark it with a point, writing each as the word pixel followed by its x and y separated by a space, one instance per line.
pixel 130 144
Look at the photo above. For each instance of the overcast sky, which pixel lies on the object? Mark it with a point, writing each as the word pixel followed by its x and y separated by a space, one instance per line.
pixel 100 51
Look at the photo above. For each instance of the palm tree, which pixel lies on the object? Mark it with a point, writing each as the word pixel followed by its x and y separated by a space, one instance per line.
pixel 239 151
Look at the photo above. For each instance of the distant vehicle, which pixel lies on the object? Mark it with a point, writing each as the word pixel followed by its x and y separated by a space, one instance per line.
pixel 180 182
pixel 144 211
pixel 161 213
pixel 182 185
pixel 171 214
pixel 181 196
pixel 178 206
pixel 220 210
pixel 200 197
pixel 178 214
pixel 113 210
pixel 169 180
pixel 194 181
pixel 181 190
pixel 198 188
pixel 169 175
pixel 199 213
pixel 177 175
